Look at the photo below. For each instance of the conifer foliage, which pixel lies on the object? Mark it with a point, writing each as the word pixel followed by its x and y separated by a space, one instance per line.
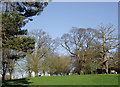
pixel 14 16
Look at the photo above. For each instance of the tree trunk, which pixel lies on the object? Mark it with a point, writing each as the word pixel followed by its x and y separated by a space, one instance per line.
pixel 105 63
pixel 30 73
pixel 3 76
pixel 82 66
pixel 107 67
pixel 91 69
pixel 36 74
pixel 51 74
pixel 81 71
pixel 3 58
pixel 3 65
pixel 43 72
pixel 105 60
pixel 56 73
pixel 4 72
pixel 10 75
pixel 10 72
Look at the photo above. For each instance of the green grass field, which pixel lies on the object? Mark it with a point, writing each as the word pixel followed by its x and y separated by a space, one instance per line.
pixel 108 79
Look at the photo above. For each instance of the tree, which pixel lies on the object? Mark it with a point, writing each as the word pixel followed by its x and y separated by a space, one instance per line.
pixel 10 38
pixel 93 50
pixel 26 9
pixel 7 35
pixel 41 50
pixel 26 44
pixel 66 64
pixel 108 41
pixel 93 58
pixel 114 61
pixel 52 46
pixel 14 17
pixel 78 42
pixel 59 65
pixel 17 51
pixel 73 43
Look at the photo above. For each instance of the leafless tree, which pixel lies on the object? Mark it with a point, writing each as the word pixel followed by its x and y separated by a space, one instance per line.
pixel 42 49
pixel 109 42
pixel 74 42
pixel 81 44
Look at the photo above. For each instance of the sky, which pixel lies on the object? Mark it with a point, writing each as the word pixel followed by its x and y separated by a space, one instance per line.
pixel 59 17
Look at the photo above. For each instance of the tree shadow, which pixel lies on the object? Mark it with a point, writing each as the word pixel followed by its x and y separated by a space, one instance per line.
pixel 24 82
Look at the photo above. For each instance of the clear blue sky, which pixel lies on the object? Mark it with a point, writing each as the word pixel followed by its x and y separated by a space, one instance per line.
pixel 59 17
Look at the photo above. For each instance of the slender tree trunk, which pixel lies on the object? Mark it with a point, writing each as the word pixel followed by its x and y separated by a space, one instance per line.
pixel 11 70
pixel 104 63
pixel 96 69
pixel 51 74
pixel 3 76
pixel 91 69
pixel 43 72
pixel 4 72
pixel 82 66
pixel 107 67
pixel 3 57
pixel 10 75
pixel 3 65
pixel 56 74
pixel 82 70
pixel 30 73
pixel 36 74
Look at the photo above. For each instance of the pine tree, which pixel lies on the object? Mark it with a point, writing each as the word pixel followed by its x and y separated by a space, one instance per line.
pixel 14 16
pixel 11 40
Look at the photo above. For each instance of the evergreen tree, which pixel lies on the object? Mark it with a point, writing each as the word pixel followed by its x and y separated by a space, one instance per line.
pixel 14 15
pixel 26 9
pixel 12 40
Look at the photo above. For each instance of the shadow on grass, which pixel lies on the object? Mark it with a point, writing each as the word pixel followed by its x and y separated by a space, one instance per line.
pixel 16 83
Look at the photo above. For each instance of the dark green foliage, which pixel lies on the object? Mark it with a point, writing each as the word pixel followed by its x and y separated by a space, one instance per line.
pixel 14 17
pixel 12 24
pixel 22 44
pixel 14 39
pixel 29 9
pixel 26 9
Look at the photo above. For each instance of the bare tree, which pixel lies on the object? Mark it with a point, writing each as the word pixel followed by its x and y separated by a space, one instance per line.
pixel 109 42
pixel 81 44
pixel 42 48
pixel 74 42
pixel 93 49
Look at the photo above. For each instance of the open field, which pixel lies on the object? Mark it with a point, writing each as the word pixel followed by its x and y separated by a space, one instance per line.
pixel 110 79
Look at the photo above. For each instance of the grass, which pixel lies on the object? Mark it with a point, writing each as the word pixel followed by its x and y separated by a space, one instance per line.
pixel 100 79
